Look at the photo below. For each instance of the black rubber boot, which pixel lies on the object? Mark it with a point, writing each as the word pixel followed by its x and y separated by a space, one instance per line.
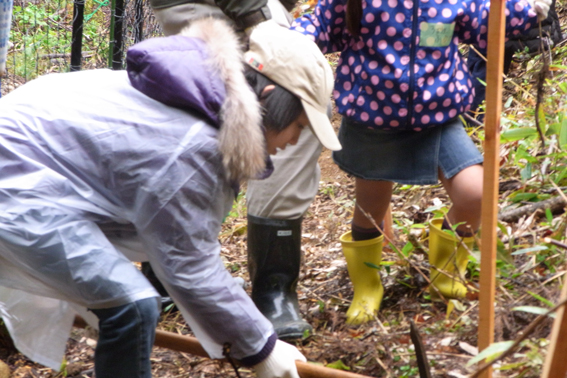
pixel 274 259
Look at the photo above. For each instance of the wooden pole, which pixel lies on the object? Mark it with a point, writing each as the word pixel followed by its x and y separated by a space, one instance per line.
pixel 555 362
pixel 495 64
pixel 191 345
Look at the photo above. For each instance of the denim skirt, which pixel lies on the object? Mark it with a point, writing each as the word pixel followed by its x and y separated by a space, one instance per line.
pixel 406 157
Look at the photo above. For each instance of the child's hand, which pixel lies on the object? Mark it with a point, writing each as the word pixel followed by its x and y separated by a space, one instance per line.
pixel 541 7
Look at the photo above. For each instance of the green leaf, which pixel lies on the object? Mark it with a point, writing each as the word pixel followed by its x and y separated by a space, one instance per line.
pixel 519 196
pixel 371 265
pixel 512 366
pixel 387 264
pixel 541 299
pixel 517 134
pixel 554 128
pixel 434 208
pixel 533 310
pixel 531 249
pixel 502 229
pixel 490 353
pixel 407 249
pixel 321 305
pixel 169 307
pixel 548 215
pixel 508 102
pixel 526 172
pixel 338 364
pixel 418 226
pixel 560 176
pixel 563 134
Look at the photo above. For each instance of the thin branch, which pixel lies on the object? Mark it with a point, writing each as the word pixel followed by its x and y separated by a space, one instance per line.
pixel 523 335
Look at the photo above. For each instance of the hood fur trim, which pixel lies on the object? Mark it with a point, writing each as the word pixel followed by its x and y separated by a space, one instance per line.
pixel 241 139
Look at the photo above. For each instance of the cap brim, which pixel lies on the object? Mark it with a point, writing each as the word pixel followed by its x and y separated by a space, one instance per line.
pixel 322 127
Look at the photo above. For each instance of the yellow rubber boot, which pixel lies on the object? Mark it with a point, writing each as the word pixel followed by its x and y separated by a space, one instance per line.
pixel 366 282
pixel 448 254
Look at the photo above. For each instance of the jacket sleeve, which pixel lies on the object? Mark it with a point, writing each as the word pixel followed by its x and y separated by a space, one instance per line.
pixel 185 253
pixel 472 26
pixel 325 25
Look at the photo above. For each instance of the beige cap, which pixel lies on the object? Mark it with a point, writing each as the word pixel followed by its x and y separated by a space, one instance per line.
pixel 293 61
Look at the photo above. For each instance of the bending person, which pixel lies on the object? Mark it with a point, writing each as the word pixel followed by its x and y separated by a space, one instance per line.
pixel 163 147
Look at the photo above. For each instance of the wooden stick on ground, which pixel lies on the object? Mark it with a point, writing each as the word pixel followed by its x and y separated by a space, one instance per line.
pixel 495 64
pixel 555 205
pixel 191 345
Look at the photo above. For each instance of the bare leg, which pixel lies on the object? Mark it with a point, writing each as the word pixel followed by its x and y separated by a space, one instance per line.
pixel 465 191
pixel 374 198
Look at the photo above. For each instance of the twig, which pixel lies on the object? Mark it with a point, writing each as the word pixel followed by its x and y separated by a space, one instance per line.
pixel 519 87
pixel 540 81
pixel 554 204
pixel 383 366
pixel 529 329
pixel 557 275
pixel 558 189
pixel 554 242
pixel 473 120
pixel 463 314
pixel 421 356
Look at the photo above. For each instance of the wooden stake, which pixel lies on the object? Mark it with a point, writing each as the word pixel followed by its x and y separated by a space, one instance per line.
pixel 495 64
pixel 555 362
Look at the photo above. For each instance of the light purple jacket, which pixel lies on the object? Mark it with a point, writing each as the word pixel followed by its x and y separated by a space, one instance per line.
pixel 142 148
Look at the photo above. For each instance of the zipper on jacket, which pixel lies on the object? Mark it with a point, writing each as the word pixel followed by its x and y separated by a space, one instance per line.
pixel 412 60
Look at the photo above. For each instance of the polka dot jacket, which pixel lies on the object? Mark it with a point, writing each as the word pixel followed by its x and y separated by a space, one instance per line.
pixel 405 70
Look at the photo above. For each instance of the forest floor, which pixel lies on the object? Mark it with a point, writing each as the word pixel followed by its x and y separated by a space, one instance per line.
pixel 381 348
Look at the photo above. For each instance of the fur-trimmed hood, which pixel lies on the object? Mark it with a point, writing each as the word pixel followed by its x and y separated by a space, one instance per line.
pixel 201 69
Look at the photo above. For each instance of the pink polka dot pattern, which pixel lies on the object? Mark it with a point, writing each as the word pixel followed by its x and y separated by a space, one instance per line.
pixel 392 75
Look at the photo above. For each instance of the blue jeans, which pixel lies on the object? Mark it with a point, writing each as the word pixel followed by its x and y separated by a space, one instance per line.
pixel 125 340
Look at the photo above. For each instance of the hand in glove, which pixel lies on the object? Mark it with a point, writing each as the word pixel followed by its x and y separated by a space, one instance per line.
pixel 280 363
pixel 541 7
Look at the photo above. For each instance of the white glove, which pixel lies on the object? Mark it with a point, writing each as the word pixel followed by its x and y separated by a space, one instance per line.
pixel 268 24
pixel 541 7
pixel 280 363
